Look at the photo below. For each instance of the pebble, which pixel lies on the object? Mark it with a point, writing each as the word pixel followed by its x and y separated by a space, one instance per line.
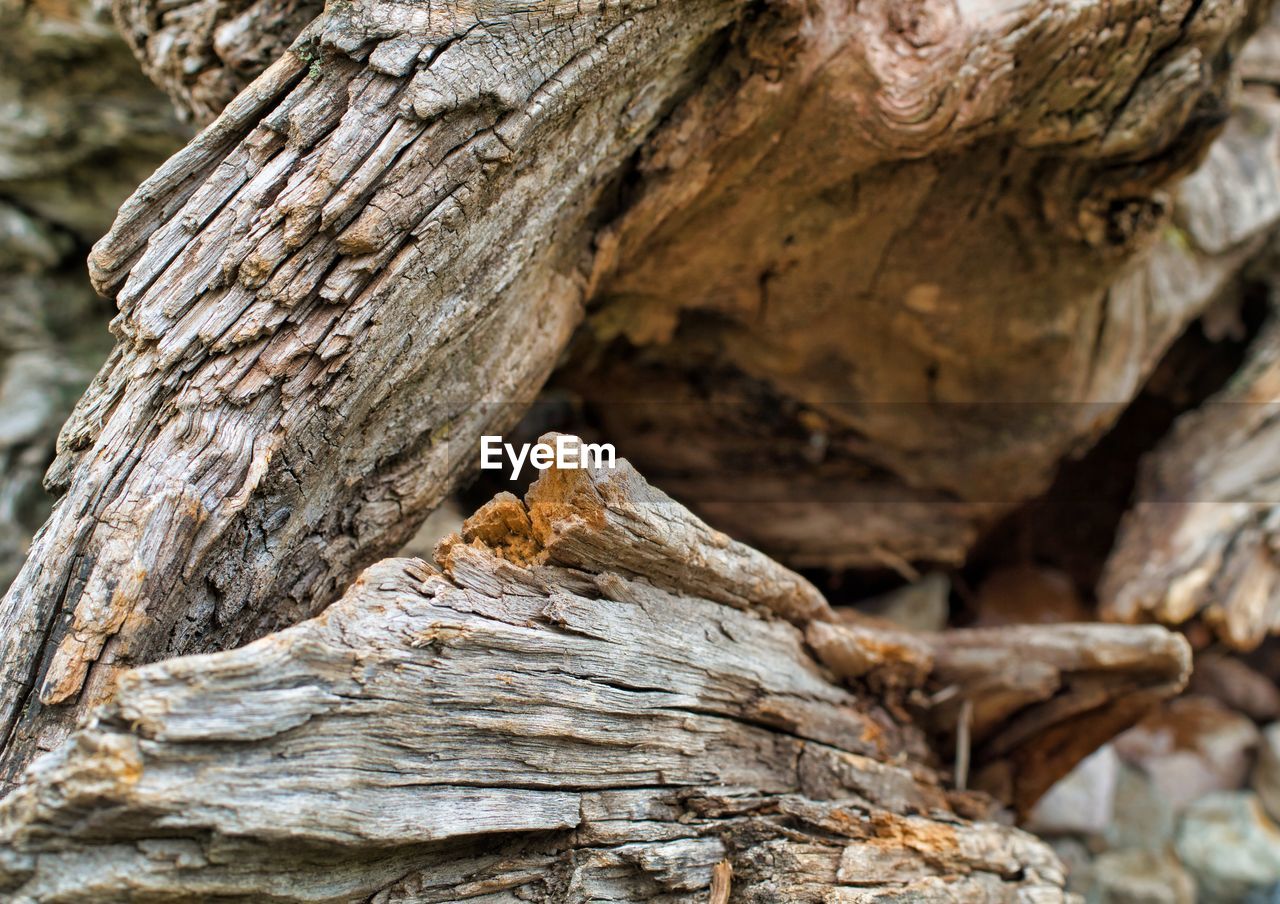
pixel 1140 877
pixel 1236 686
pixel 1227 841
pixel 1191 747
pixel 1081 802
pixel 1143 817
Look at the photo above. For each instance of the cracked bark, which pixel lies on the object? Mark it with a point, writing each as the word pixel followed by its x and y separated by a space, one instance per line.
pixel 593 697
pixel 381 247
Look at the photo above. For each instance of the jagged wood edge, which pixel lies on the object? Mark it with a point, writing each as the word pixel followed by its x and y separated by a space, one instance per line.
pixel 511 725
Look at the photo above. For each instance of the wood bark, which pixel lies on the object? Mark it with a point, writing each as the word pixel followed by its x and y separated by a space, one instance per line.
pixel 205 52
pixel 373 250
pixel 593 697
pixel 959 285
pixel 380 248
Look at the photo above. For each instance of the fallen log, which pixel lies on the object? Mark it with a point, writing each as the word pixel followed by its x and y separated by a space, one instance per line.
pixel 539 717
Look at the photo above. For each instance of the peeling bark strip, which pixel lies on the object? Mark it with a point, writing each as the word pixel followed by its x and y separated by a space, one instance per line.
pixel 512 726
pixel 373 250
pixel 546 719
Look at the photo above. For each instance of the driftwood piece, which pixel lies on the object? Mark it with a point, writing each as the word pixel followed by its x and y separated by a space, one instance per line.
pixel 1201 539
pixel 529 722
pixel 513 727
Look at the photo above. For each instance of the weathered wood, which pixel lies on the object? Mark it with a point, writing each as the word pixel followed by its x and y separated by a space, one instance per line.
pixel 204 52
pixel 81 128
pixel 856 322
pixel 1043 697
pixel 1198 541
pixel 378 251
pixel 1201 538
pixel 375 248
pixel 512 726
pixel 1020 705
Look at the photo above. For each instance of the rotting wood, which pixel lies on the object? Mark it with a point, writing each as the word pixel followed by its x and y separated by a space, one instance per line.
pixel 511 725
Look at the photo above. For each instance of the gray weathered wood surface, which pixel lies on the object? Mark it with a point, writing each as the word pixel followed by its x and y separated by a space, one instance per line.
pixel 509 726
pixel 380 248
pixel 371 258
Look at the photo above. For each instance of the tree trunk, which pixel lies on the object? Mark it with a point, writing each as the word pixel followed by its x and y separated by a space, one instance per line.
pixel 592 699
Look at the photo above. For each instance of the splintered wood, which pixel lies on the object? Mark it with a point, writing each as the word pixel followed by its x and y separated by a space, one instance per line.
pixel 371 258
pixel 593 697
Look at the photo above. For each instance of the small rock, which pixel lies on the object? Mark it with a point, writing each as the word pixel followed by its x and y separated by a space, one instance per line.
pixel 1142 816
pixel 1025 594
pixel 922 606
pixel 1140 877
pixel 1231 846
pixel 1078 862
pixel 1264 895
pixel 1191 747
pixel 1081 802
pixel 1266 774
pixel 1236 686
